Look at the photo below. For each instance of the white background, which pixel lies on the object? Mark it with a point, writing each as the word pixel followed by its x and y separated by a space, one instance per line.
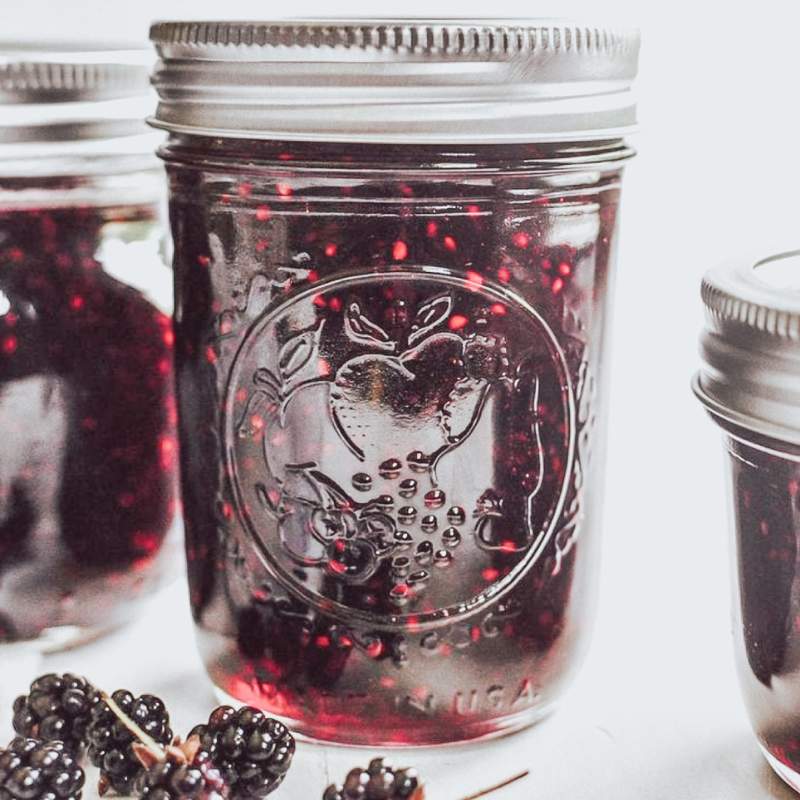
pixel 656 711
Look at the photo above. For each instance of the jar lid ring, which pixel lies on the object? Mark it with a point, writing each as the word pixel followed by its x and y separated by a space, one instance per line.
pixel 386 81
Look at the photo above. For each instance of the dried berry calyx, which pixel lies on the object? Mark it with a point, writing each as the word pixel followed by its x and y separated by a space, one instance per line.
pixel 239 754
pixel 111 738
pixel 252 751
pixel 179 772
pixel 32 769
pixel 57 708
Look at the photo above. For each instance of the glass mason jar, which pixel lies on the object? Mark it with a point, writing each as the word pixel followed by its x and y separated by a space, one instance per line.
pixel 750 384
pixel 88 473
pixel 394 245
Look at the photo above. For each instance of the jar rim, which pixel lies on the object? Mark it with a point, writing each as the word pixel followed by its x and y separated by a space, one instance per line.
pixel 396 81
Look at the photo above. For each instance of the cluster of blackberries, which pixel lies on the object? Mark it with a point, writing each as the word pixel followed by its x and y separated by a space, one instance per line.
pixel 111 745
pixel 377 782
pixel 251 750
pixel 238 755
pixel 58 708
pixel 33 768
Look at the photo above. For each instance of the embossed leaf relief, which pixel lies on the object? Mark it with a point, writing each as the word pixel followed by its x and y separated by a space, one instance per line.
pixel 400 465
pixel 569 532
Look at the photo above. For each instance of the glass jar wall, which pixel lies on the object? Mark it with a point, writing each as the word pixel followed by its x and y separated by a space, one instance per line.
pixel 749 383
pixel 389 369
pixel 390 361
pixel 88 474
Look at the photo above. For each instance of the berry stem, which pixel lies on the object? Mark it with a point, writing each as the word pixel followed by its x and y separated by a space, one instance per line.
pixel 147 741
pixel 501 785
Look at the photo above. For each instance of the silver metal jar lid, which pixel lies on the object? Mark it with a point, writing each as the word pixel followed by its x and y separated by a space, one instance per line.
pixel 751 345
pixel 69 94
pixel 396 81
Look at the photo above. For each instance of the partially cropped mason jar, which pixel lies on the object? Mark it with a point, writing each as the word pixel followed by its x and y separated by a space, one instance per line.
pixel 394 248
pixel 750 384
pixel 88 468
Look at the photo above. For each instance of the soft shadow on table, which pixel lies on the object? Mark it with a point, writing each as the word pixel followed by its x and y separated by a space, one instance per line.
pixel 774 785
pixel 733 770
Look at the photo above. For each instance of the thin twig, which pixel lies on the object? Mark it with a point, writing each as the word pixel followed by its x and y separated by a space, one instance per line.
pixel 152 746
pixel 501 785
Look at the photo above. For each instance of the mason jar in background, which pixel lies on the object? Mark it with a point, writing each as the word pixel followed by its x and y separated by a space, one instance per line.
pixel 89 462
pixel 394 249
pixel 750 384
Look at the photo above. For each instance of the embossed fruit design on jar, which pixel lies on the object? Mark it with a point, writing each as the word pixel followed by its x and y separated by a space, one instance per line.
pixel 88 476
pixel 390 361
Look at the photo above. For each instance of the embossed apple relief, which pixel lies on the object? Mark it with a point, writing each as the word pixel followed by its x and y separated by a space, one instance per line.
pixel 402 466
pixel 425 398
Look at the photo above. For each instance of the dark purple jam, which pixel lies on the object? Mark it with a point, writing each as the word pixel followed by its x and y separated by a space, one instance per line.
pixel 89 454
pixel 765 486
pixel 387 370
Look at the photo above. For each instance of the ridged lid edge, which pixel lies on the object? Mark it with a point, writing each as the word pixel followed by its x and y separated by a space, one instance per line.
pixel 52 74
pixel 465 39
pixel 32 77
pixel 733 294
pixel 396 81
pixel 750 347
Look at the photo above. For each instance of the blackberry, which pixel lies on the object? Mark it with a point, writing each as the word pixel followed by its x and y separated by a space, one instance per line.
pixel 58 707
pixel 377 782
pixel 175 780
pixel 110 744
pixel 31 769
pixel 251 750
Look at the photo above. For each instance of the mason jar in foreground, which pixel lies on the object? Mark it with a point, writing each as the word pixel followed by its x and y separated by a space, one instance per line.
pixel 394 245
pixel 750 384
pixel 88 469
